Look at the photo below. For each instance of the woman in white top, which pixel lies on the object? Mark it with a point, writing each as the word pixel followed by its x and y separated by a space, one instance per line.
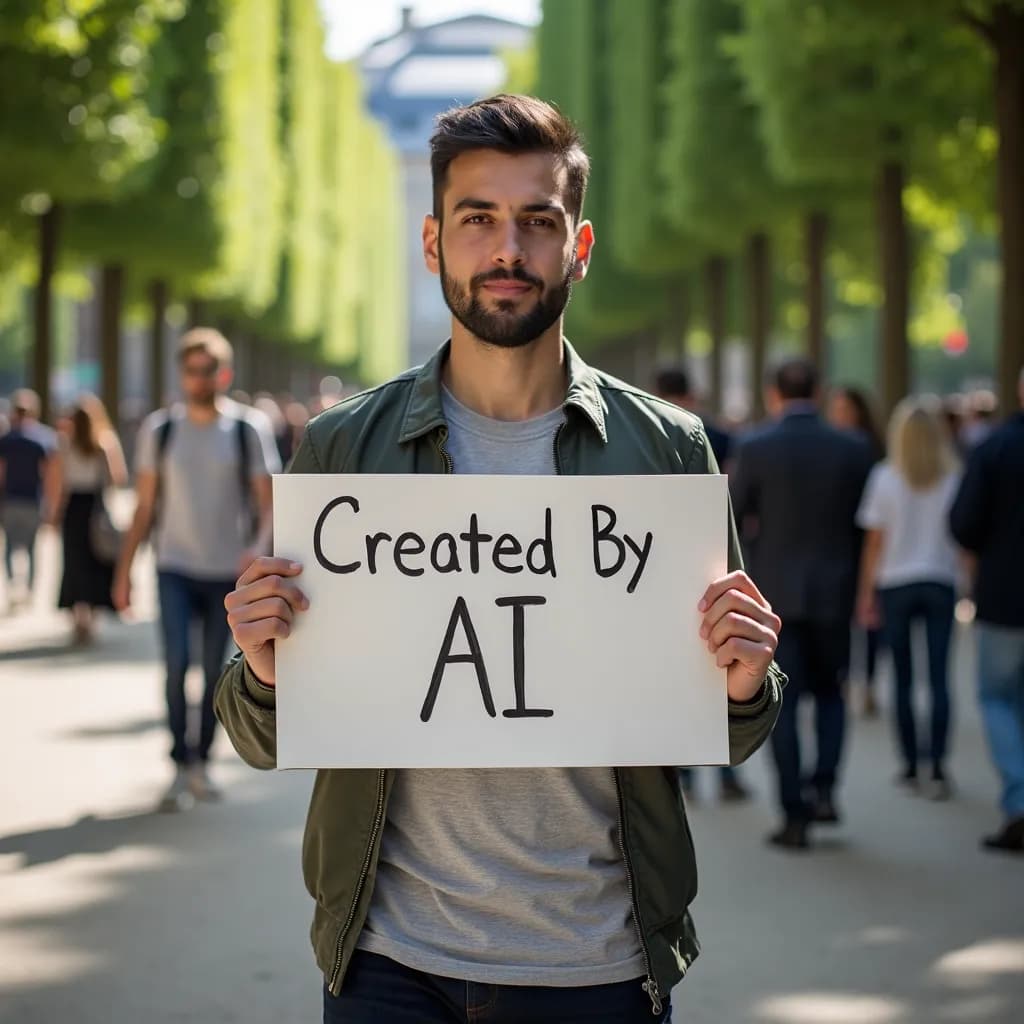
pixel 88 460
pixel 910 559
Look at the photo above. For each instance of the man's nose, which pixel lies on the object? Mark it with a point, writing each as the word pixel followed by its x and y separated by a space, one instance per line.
pixel 510 249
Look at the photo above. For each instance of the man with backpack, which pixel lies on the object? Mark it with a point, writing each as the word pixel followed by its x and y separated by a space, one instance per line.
pixel 203 487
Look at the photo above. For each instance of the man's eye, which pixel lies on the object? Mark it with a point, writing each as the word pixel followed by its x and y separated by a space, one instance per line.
pixel 540 222
pixel 477 218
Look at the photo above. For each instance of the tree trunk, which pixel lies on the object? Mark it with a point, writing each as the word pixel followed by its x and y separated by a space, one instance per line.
pixel 759 283
pixel 196 312
pixel 678 325
pixel 159 294
pixel 894 356
pixel 42 349
pixel 111 299
pixel 1009 45
pixel 715 282
pixel 815 242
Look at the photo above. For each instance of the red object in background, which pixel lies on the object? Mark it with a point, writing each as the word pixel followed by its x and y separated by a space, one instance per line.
pixel 955 343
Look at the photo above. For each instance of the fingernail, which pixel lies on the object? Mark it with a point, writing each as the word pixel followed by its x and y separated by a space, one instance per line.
pixel 702 606
pixel 295 566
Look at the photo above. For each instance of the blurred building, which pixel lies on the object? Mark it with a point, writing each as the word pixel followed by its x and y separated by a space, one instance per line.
pixel 410 78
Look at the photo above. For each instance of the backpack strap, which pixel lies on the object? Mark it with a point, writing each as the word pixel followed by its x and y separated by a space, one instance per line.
pixel 242 426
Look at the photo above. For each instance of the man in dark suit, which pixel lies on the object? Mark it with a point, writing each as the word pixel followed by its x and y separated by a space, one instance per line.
pixel 796 485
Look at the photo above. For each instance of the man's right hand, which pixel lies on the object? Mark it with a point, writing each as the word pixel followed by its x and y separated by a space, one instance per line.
pixel 261 609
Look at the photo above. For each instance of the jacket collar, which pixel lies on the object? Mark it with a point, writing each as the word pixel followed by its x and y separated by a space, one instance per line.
pixel 423 411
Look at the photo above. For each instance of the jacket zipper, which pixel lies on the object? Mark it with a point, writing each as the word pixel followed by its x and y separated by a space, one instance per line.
pixel 650 985
pixel 442 436
pixel 378 821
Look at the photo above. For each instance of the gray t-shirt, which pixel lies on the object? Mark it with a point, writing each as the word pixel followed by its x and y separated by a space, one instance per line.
pixel 505 876
pixel 201 528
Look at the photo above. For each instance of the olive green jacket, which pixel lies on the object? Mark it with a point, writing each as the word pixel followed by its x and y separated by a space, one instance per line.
pixel 610 429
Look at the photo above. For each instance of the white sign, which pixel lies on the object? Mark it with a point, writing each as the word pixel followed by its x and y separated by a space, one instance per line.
pixel 500 621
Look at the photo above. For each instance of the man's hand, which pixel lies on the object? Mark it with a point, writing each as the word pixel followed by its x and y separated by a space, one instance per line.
pixel 262 608
pixel 245 559
pixel 742 632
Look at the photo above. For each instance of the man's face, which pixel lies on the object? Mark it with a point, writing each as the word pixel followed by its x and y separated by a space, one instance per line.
pixel 200 379
pixel 506 248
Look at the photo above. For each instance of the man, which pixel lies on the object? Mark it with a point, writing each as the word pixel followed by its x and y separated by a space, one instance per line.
pixel 438 893
pixel 796 486
pixel 201 473
pixel 673 385
pixel 987 519
pixel 25 453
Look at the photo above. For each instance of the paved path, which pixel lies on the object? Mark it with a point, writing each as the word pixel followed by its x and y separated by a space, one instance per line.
pixel 112 914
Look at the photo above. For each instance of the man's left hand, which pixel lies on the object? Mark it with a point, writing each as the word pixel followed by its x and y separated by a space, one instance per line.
pixel 741 630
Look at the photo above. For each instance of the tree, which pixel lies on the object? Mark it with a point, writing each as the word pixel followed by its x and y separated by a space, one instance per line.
pixel 859 103
pixel 720 189
pixel 75 118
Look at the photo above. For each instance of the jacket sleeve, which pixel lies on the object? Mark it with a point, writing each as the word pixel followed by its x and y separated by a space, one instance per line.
pixel 970 514
pixel 750 723
pixel 245 706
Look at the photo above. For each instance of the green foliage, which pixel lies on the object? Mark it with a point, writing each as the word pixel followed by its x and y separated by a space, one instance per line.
pixel 574 43
pixel 75 85
pixel 364 286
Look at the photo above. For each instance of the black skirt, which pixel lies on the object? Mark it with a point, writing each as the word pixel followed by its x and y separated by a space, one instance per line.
pixel 87 579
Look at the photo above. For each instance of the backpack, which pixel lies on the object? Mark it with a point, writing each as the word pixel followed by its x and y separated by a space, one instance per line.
pixel 163 439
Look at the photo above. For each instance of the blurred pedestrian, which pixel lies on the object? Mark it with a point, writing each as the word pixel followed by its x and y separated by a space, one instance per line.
pixel 909 571
pixel 203 487
pixel 987 518
pixel 25 451
pixel 672 384
pixel 980 420
pixel 87 463
pixel 850 409
pixel 796 485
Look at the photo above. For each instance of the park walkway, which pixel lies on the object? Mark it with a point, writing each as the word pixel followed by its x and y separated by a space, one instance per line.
pixel 112 914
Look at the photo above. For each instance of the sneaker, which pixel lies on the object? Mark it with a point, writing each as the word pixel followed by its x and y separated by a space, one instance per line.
pixel 178 796
pixel 201 785
pixel 939 788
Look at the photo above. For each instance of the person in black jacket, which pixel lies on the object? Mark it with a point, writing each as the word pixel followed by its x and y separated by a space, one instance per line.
pixel 987 518
pixel 796 486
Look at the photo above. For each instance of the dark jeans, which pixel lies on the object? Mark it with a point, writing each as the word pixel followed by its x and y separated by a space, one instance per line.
pixel 378 989
pixel 816 657
pixel 934 603
pixel 182 599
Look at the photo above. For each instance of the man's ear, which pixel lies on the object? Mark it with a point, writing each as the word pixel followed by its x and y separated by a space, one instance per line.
pixel 584 249
pixel 431 242
pixel 225 376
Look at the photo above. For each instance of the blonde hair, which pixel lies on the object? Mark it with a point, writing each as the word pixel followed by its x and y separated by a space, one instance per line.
pixel 919 444
pixel 210 342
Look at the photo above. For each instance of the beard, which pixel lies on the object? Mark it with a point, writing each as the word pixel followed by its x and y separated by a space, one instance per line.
pixel 504 328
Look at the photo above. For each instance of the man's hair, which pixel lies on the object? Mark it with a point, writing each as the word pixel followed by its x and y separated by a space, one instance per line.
pixel 795 379
pixel 672 380
pixel 509 124
pixel 209 342
pixel 25 402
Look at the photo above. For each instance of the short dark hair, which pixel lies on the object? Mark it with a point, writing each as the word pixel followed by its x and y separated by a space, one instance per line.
pixel 672 380
pixel 795 378
pixel 509 124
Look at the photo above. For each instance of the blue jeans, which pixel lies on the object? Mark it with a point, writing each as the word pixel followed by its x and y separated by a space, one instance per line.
pixel 816 657
pixel 1001 692
pixel 934 603
pixel 378 989
pixel 182 599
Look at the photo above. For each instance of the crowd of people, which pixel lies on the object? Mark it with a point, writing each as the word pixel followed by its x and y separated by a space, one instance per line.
pixel 855 540
pixel 853 537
